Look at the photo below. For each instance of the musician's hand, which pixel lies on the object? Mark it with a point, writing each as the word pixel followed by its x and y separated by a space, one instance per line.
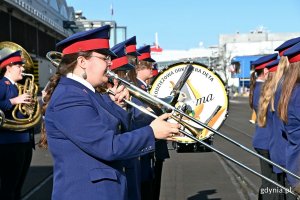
pixel 163 129
pixel 23 98
pixel 120 93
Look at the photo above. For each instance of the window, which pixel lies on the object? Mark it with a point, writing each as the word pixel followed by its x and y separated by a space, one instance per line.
pixel 63 11
pixel 53 4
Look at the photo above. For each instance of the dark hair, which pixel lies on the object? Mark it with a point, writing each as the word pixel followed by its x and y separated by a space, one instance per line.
pixel 2 71
pixel 253 77
pixel 131 76
pixel 67 65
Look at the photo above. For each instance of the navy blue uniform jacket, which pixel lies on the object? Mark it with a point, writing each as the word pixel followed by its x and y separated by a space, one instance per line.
pixel 278 140
pixel 8 91
pixel 161 147
pixel 86 144
pixel 292 129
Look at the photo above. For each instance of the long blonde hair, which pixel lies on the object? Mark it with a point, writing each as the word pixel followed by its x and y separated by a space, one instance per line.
pixel 291 78
pixel 269 89
pixel 264 99
pixel 281 70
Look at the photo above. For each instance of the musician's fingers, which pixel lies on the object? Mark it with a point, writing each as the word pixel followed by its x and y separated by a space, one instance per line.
pixel 165 116
pixel 120 89
pixel 113 87
pixel 116 83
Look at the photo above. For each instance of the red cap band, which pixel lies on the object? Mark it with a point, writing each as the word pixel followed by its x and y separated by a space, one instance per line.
pixel 118 62
pixel 295 58
pixel 10 60
pixel 154 72
pixel 273 69
pixel 86 45
pixel 144 56
pixel 263 65
pixel 282 51
pixel 131 48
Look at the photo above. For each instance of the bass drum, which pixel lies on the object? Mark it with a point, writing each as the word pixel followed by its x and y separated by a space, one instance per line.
pixel 203 96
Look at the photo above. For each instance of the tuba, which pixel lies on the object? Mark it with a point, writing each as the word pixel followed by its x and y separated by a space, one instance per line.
pixel 32 111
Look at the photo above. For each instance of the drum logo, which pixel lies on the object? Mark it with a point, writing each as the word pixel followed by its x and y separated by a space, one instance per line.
pixel 206 99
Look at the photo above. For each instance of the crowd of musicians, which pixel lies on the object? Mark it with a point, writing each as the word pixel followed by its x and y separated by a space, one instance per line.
pixel 103 148
pixel 275 97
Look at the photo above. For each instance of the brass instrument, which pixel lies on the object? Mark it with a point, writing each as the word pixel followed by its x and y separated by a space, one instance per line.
pixel 31 111
pixel 178 114
pixel 54 57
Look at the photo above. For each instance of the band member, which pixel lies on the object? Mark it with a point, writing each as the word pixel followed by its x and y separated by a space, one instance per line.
pixel 265 119
pixel 121 66
pixel 132 55
pixel 288 111
pixel 144 73
pixel 278 141
pixel 262 135
pixel 144 67
pixel 83 131
pixel 15 146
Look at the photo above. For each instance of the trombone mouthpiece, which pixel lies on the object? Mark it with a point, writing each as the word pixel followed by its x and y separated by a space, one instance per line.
pixel 112 74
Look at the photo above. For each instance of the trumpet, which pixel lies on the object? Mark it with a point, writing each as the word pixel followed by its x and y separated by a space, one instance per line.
pixel 194 132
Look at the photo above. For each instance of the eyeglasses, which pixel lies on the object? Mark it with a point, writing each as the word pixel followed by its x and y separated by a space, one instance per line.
pixel 107 59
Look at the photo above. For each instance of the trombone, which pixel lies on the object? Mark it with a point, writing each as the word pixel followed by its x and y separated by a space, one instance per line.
pixel 141 94
pixel 54 58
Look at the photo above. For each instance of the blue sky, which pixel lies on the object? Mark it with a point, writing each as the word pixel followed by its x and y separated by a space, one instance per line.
pixel 183 24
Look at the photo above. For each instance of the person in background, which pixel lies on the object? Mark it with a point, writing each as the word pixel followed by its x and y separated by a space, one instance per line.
pixel 83 131
pixel 121 66
pixel 288 111
pixel 265 120
pixel 144 67
pixel 262 135
pixel 15 146
pixel 152 163
pixel 278 141
pixel 132 55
